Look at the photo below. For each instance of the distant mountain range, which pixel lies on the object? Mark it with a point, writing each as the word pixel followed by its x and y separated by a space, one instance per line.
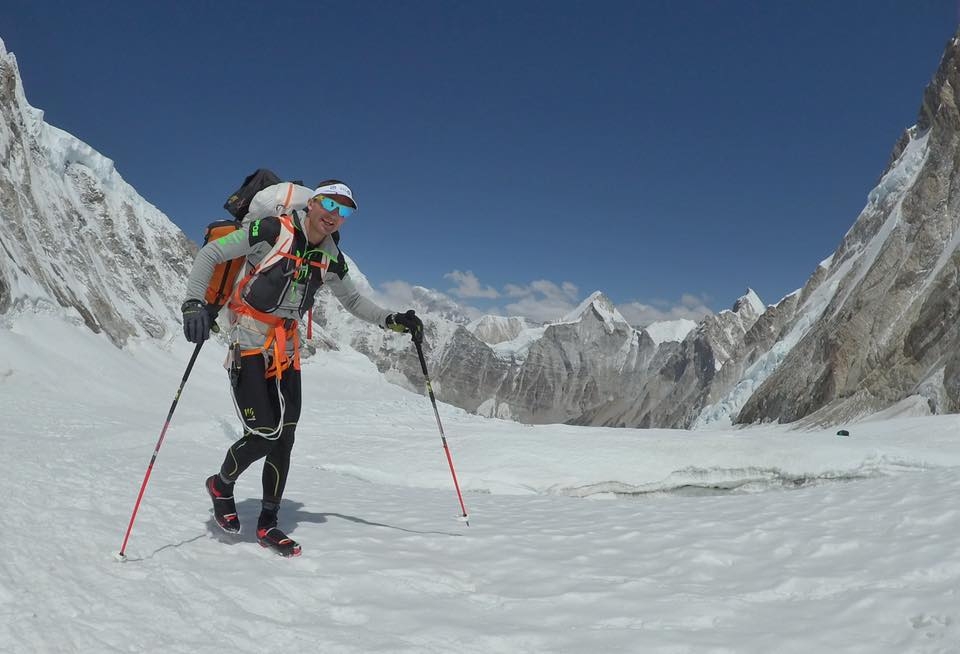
pixel 875 326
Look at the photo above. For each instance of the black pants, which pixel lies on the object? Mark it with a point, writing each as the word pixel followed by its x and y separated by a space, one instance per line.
pixel 259 402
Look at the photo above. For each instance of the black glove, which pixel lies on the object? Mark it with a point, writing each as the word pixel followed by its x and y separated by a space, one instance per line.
pixel 196 321
pixel 406 323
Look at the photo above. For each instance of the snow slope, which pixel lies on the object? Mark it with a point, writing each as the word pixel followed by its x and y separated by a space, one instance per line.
pixel 862 556
pixel 670 330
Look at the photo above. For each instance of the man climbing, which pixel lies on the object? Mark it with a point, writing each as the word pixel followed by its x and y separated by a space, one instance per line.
pixel 288 258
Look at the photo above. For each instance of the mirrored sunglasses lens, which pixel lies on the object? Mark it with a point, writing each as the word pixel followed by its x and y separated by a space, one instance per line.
pixel 333 205
pixel 328 204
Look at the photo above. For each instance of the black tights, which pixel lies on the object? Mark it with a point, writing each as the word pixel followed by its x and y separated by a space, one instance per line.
pixel 258 401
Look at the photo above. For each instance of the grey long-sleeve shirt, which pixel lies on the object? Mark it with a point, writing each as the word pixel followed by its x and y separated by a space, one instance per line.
pixel 254 241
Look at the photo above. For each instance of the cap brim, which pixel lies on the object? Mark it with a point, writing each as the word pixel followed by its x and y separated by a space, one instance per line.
pixel 339 192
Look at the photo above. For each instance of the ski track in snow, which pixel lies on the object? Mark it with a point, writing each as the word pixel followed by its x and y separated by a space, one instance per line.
pixel 870 566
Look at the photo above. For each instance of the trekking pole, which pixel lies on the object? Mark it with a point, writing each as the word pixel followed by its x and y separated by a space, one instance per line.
pixel 121 556
pixel 433 401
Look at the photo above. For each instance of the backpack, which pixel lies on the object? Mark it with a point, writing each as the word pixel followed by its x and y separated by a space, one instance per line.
pixel 245 205
pixel 224 274
pixel 238 204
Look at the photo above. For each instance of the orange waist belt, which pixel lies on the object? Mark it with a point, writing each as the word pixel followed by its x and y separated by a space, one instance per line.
pixel 281 329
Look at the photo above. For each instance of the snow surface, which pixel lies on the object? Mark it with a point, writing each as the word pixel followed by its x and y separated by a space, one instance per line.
pixel 518 348
pixel 603 307
pixel 670 330
pixel 498 329
pixel 758 306
pixel 580 540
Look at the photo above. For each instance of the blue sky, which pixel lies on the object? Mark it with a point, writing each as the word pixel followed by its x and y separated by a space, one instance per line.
pixel 515 155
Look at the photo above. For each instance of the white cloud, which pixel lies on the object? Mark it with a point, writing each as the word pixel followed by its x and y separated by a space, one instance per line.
pixel 402 295
pixel 395 294
pixel 689 306
pixel 539 301
pixel 542 300
pixel 512 290
pixel 469 286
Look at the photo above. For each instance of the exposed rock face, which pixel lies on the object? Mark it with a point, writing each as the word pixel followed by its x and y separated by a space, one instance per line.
pixel 576 365
pixel 889 327
pixel 468 372
pixel 551 373
pixel 76 238
pixel 546 374
pixel 875 325
pixel 684 377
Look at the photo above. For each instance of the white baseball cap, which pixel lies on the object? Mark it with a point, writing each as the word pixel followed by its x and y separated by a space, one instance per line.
pixel 336 188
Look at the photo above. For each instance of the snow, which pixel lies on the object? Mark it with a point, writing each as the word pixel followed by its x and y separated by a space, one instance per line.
pixel 498 329
pixel 522 339
pixel 70 207
pixel 670 330
pixel 755 302
pixel 723 411
pixel 892 187
pixel 580 539
pixel 847 275
pixel 603 307
pixel 518 348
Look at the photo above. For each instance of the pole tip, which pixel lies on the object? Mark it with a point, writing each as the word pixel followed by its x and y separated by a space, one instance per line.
pixel 119 557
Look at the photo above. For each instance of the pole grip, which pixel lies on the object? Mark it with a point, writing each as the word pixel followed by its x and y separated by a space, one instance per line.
pixel 423 362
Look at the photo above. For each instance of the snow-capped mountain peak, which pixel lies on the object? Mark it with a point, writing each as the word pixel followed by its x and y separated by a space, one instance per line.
pixel 751 299
pixel 874 324
pixel 602 306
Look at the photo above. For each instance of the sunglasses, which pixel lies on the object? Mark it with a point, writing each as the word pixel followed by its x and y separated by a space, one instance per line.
pixel 333 205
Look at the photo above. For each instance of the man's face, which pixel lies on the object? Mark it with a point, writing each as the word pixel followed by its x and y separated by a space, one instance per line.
pixel 324 222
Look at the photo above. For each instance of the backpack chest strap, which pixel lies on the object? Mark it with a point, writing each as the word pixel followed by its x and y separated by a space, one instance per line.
pixel 323 264
pixel 280 328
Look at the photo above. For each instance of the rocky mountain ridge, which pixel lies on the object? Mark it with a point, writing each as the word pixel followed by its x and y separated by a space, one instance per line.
pixel 76 237
pixel 874 327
